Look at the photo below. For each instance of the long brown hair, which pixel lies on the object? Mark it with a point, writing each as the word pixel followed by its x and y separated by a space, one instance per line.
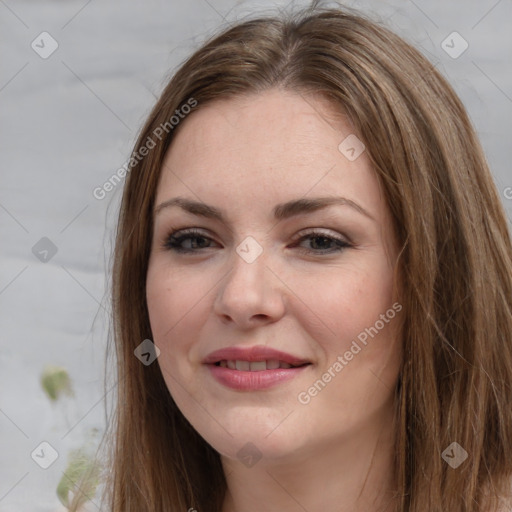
pixel 455 265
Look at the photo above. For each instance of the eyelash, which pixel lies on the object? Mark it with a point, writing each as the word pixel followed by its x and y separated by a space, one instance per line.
pixel 173 241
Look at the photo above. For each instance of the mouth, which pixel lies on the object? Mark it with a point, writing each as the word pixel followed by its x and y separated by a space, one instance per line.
pixel 257 366
pixel 243 375
pixel 254 368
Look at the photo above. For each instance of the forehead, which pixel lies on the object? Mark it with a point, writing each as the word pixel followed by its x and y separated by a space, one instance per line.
pixel 279 119
pixel 266 148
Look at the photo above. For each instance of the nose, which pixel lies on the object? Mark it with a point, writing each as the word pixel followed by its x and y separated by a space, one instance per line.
pixel 250 294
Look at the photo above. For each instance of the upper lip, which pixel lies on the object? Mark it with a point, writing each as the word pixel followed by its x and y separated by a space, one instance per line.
pixel 256 353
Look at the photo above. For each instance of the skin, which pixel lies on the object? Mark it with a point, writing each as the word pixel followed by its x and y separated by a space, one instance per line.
pixel 245 155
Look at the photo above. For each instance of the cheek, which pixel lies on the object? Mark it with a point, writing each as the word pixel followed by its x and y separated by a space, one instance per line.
pixel 347 303
pixel 365 376
pixel 171 297
pixel 172 302
pixel 180 302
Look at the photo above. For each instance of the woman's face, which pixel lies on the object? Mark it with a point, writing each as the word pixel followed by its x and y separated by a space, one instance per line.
pixel 313 283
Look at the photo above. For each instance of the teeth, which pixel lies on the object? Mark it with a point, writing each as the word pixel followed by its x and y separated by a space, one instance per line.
pixel 244 366
pixel 255 366
pixel 272 364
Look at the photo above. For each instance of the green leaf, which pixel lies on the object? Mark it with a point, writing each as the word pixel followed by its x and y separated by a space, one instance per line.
pixel 80 477
pixel 56 382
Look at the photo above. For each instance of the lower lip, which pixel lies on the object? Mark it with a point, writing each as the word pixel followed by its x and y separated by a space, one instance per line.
pixel 252 381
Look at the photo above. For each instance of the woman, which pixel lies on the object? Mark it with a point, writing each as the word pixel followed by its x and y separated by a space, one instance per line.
pixel 312 239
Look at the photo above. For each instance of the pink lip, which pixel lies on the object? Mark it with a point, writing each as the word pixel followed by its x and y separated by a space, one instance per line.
pixel 256 353
pixel 252 381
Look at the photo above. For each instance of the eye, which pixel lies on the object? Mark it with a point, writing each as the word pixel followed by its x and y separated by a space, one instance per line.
pixel 196 240
pixel 175 240
pixel 324 239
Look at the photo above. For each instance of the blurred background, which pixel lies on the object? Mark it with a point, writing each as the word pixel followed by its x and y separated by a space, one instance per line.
pixel 77 79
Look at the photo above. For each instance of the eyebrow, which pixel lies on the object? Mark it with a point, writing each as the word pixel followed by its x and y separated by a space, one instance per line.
pixel 281 211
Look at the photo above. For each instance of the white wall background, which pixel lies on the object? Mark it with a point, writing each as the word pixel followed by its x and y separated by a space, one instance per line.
pixel 68 123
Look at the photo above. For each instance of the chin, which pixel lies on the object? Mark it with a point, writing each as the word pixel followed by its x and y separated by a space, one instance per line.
pixel 257 439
